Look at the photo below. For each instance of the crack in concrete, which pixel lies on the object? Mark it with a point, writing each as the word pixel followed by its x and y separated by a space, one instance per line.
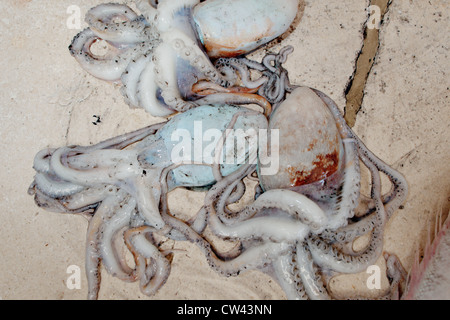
pixel 66 136
pixel 354 91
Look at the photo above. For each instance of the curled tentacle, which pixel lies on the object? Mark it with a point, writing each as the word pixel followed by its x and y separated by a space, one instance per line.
pixel 277 228
pixel 153 275
pixel 111 229
pixel 74 168
pixel 55 187
pixel 56 205
pixel 399 190
pixel 147 93
pixel 42 160
pixel 89 176
pixel 278 80
pixel 329 257
pixel 117 23
pixel 109 66
pixel 234 68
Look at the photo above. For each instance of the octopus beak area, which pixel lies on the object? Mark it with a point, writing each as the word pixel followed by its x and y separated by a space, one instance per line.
pixel 213 93
pixel 203 88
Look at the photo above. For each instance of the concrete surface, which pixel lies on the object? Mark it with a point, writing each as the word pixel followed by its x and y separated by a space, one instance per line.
pixel 47 100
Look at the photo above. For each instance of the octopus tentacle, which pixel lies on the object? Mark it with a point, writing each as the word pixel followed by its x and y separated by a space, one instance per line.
pixel 54 187
pixel 287 275
pixel 254 257
pixel 236 98
pixel 228 74
pixel 85 177
pixel 346 200
pixel 230 195
pixel 89 196
pixel 198 223
pixel 130 79
pixel 227 65
pixel 220 195
pixel 396 274
pixel 187 49
pixel 147 9
pixel 56 205
pixel 147 93
pixel 166 78
pixel 155 275
pixel 227 263
pixel 252 64
pixel 270 227
pixel 310 275
pixel 116 23
pixel 109 230
pixel 93 257
pixel 278 80
pixel 351 231
pixel 203 88
pixel 108 67
pixel 237 193
pixel 41 161
pixel 398 193
pixel 272 62
pixel 274 228
pixel 168 10
pixel 148 196
pixel 124 140
pixel 293 204
pixel 297 205
pixel 329 257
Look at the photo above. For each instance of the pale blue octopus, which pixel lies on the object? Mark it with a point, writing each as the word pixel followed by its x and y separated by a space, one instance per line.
pixel 307 211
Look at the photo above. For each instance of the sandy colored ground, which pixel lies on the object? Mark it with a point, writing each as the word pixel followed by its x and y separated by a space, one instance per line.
pixel 47 100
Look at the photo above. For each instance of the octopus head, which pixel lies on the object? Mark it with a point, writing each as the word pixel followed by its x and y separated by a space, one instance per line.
pixel 314 159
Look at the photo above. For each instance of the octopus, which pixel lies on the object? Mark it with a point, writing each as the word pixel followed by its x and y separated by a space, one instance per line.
pixel 159 55
pixel 309 204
